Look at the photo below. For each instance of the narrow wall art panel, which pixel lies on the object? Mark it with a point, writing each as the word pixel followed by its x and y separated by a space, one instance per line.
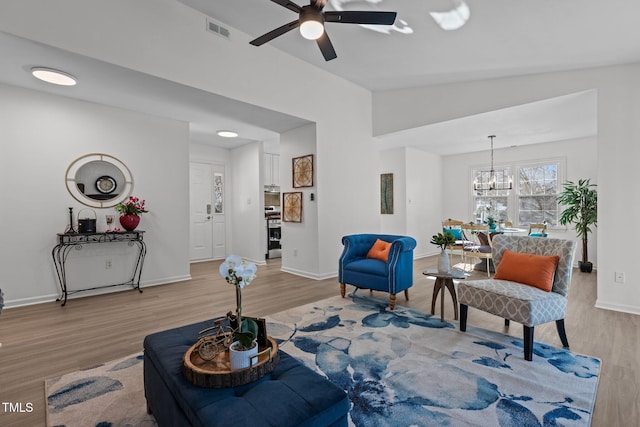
pixel 386 193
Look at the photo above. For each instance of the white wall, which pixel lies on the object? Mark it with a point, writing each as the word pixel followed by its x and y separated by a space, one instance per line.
pixel 176 47
pixel 208 154
pixel 417 177
pixel 425 176
pixel 299 240
pixel 247 203
pixel 618 145
pixel 41 135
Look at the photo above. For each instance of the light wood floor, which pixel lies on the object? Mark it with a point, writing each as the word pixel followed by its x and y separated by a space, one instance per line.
pixel 46 340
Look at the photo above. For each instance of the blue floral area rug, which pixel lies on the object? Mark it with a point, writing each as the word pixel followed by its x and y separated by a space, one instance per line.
pixel 110 395
pixel 406 368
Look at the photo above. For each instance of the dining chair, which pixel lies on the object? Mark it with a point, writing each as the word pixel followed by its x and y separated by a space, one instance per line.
pixel 454 227
pixel 537 230
pixel 478 243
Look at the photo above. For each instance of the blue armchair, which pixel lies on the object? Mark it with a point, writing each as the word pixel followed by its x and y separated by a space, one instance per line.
pixel 393 276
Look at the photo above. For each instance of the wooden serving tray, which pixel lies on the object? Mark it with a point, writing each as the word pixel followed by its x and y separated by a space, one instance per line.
pixel 217 373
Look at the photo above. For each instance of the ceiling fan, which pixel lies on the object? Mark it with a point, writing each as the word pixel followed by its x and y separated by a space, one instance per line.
pixel 311 21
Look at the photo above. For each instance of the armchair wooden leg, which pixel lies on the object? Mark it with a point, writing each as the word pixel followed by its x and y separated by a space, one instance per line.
pixel 528 342
pixel 406 294
pixel 506 323
pixel 392 301
pixel 463 317
pixel 343 289
pixel 562 333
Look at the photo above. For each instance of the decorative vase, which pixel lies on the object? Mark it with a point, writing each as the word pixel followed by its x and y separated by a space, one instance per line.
pixel 129 221
pixel 242 359
pixel 443 262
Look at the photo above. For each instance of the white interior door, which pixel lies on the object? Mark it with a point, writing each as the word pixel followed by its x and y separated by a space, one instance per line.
pixel 208 226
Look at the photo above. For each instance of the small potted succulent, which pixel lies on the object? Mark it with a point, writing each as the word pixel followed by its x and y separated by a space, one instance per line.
pixel 443 240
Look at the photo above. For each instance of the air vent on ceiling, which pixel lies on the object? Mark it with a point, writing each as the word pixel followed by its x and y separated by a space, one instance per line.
pixel 214 27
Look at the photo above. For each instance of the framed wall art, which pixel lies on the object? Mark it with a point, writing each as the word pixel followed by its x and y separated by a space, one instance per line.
pixel 302 168
pixel 386 193
pixel 292 207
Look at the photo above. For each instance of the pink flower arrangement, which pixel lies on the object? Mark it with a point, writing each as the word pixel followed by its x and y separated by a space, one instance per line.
pixel 132 205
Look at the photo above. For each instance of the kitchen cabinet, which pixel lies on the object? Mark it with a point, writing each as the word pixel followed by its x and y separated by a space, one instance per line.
pixel 271 170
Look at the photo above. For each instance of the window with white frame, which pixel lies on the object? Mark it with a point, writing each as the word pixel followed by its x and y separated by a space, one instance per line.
pixel 532 200
pixel 491 203
pixel 537 191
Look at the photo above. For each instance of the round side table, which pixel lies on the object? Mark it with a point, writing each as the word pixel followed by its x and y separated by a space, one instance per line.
pixel 445 280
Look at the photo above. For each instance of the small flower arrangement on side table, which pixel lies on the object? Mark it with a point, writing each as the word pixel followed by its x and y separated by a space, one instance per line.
pixel 130 211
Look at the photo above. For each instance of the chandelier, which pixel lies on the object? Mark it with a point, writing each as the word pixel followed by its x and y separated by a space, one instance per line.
pixel 489 180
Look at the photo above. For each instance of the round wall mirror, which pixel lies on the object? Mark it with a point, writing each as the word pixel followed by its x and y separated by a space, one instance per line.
pixel 99 180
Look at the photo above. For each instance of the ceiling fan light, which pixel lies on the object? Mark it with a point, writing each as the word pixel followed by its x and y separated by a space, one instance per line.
pixel 311 29
pixel 52 76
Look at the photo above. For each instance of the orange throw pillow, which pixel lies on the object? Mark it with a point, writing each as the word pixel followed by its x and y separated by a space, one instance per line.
pixel 529 269
pixel 379 250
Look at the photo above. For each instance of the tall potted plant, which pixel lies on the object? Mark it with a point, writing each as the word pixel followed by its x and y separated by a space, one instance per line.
pixel 581 209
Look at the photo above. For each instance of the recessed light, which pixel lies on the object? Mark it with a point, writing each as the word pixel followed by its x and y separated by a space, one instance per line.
pixel 52 76
pixel 227 134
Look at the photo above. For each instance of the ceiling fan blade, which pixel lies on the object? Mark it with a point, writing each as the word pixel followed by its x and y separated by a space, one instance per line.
pixel 275 33
pixel 361 17
pixel 289 5
pixel 326 47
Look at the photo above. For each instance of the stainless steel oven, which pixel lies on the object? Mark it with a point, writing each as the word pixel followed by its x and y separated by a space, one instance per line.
pixel 274 243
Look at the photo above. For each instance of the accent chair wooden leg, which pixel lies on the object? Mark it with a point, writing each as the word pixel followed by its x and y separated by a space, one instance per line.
pixel 463 317
pixel 528 342
pixel 506 323
pixel 343 289
pixel 406 294
pixel 562 333
pixel 392 301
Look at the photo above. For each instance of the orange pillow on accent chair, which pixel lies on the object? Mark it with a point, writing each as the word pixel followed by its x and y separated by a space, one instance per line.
pixel 529 269
pixel 379 250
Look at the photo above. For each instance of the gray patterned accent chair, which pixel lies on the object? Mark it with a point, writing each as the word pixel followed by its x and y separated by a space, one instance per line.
pixel 521 303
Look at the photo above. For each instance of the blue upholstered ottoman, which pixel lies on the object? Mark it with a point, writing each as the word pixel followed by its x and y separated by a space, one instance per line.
pixel 291 395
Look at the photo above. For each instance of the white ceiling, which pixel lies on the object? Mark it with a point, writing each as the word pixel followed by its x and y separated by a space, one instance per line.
pixel 116 86
pixel 501 38
pixel 557 119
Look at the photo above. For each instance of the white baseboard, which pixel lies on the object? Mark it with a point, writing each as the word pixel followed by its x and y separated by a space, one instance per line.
pixel 49 298
pixel 21 302
pixel 309 275
pixel 617 307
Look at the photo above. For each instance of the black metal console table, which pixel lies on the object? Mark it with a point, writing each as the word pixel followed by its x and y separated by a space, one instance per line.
pixel 69 241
